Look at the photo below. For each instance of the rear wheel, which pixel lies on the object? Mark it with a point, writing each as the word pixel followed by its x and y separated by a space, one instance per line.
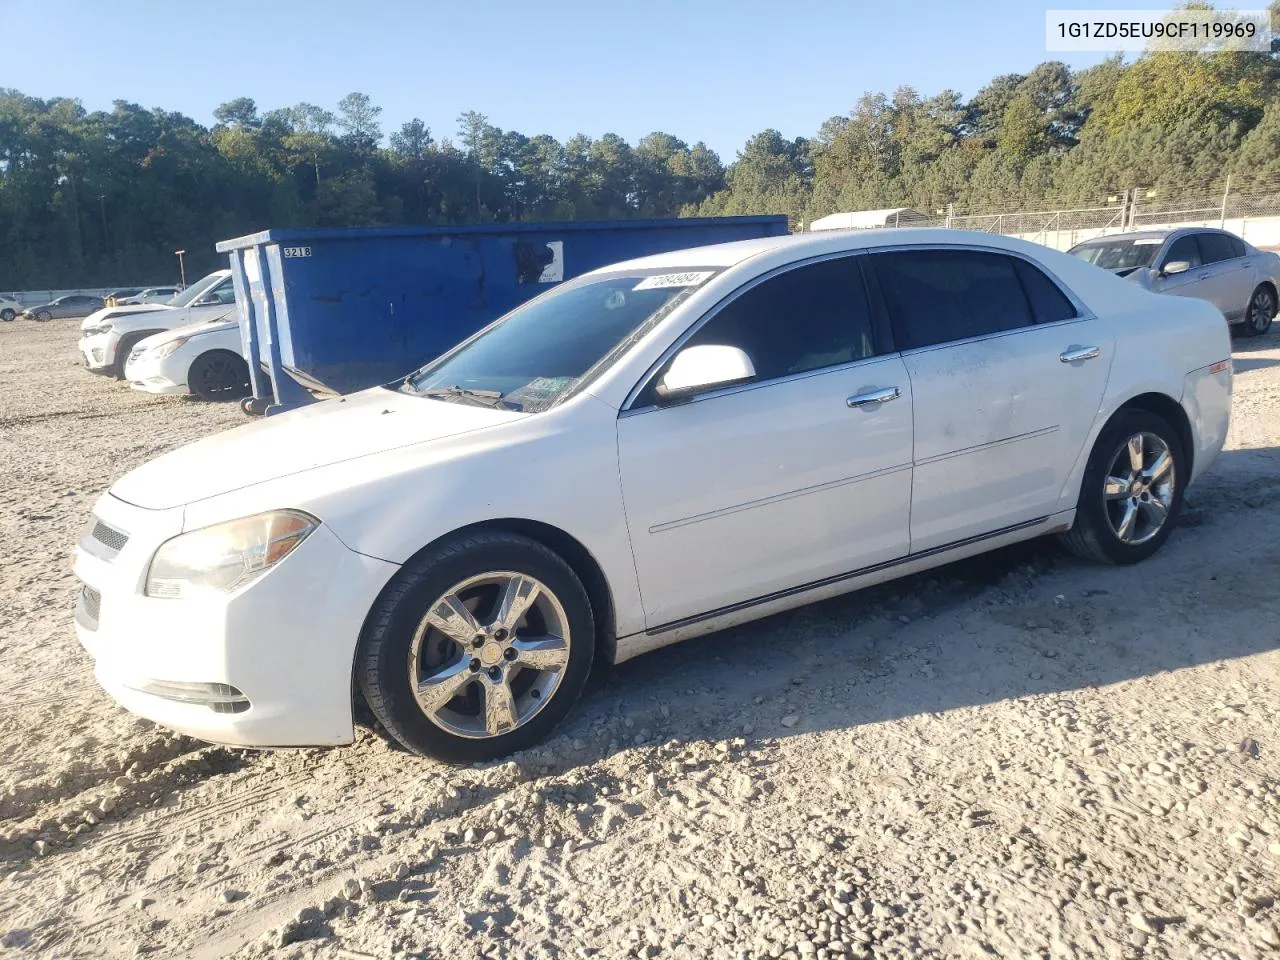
pixel 478 648
pixel 1131 495
pixel 1260 312
pixel 218 375
pixel 7 314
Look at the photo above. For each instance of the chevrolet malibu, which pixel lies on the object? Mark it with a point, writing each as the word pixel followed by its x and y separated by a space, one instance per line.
pixel 652 451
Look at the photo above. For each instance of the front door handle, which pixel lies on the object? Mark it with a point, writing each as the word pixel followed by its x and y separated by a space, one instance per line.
pixel 874 396
pixel 1203 276
pixel 1076 354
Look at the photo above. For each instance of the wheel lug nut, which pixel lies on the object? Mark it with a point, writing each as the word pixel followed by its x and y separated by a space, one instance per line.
pixel 475 666
pixel 499 634
pixel 509 653
pixel 495 673
pixel 478 641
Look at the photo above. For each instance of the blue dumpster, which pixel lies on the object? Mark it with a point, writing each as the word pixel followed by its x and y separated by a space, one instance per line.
pixel 338 310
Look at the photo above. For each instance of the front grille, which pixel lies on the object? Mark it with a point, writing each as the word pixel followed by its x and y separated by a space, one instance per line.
pixel 109 536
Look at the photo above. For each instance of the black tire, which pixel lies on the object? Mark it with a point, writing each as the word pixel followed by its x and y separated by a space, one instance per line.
pixel 42 316
pixel 382 659
pixel 1260 312
pixel 123 349
pixel 1093 536
pixel 218 375
pixel 7 315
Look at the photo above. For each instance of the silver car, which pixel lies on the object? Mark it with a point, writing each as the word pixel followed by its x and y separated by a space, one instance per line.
pixel 1212 265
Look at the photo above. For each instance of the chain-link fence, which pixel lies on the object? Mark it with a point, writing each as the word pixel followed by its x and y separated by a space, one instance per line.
pixel 1250 209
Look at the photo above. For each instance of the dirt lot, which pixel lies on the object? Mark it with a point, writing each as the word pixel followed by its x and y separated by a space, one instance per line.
pixel 1016 756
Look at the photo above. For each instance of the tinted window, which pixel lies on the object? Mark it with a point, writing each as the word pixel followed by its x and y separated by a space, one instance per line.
pixel 1237 247
pixel 1215 247
pixel 805 319
pixel 1184 248
pixel 1048 303
pixel 939 295
pixel 224 292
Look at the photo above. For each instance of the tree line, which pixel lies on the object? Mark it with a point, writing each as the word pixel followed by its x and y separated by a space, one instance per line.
pixel 102 197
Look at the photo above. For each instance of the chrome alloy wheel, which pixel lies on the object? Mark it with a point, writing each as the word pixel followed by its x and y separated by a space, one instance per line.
pixel 489 654
pixel 1262 309
pixel 1138 488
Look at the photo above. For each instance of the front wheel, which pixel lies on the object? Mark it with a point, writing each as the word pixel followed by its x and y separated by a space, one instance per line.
pixel 1260 312
pixel 477 648
pixel 1131 495
pixel 43 315
pixel 218 375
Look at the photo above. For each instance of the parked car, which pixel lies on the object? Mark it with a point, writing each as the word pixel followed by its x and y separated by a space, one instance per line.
pixel 153 295
pixel 108 336
pixel 10 309
pixel 72 305
pixel 204 358
pixel 1212 265
pixel 116 297
pixel 648 452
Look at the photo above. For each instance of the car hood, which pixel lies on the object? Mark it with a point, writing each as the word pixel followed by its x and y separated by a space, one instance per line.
pixel 189 330
pixel 317 435
pixel 98 316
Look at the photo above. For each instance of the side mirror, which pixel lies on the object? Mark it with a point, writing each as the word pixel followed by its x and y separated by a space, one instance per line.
pixel 695 369
pixel 208 302
pixel 1175 267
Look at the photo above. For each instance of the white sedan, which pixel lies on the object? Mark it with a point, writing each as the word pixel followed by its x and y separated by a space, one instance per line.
pixel 202 358
pixel 649 452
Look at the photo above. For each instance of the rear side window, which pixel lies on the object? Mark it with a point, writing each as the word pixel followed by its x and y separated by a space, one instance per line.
pixel 1048 303
pixel 936 296
pixel 1216 247
pixel 1237 247
pixel 1185 248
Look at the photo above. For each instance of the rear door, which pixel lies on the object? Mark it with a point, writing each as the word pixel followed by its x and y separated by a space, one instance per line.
pixel 1230 281
pixel 1007 374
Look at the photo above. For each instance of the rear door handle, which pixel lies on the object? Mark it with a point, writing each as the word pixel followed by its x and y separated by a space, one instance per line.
pixel 874 396
pixel 1076 354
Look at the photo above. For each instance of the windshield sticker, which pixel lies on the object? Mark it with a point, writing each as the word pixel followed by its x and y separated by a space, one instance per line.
pixel 1148 241
pixel 674 280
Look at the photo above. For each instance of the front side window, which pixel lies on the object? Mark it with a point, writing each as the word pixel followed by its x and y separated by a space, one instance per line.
pixel 936 296
pixel 811 317
pixel 1185 248
pixel 1216 247
pixel 541 350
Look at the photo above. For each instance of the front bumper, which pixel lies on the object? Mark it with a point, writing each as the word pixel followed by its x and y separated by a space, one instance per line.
pixel 284 645
pixel 99 351
pixel 166 375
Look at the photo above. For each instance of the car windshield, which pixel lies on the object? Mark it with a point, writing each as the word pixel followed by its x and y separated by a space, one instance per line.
pixel 193 292
pixel 538 352
pixel 1120 254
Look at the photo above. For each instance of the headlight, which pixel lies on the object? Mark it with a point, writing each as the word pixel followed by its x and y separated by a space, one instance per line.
pixel 163 350
pixel 100 328
pixel 227 556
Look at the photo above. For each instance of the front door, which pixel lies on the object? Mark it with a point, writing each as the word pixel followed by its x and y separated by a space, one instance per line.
pixel 785 480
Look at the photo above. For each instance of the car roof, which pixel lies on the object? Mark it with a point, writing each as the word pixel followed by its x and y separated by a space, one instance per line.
pixel 817 243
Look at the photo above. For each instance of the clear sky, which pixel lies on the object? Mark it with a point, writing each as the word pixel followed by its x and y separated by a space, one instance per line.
pixel 712 70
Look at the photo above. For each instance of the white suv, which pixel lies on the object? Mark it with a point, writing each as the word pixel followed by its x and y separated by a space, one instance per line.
pixel 110 334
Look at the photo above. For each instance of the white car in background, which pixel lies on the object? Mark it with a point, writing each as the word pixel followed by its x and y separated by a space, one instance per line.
pixel 204 358
pixel 109 335
pixel 651 451
pixel 9 309
pixel 152 295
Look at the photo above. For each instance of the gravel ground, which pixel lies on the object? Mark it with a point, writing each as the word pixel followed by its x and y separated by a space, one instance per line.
pixel 1019 755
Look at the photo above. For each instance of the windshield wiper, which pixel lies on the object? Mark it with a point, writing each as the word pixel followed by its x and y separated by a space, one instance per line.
pixel 490 398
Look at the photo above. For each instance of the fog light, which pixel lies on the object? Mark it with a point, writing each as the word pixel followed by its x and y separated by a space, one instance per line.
pixel 218 697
